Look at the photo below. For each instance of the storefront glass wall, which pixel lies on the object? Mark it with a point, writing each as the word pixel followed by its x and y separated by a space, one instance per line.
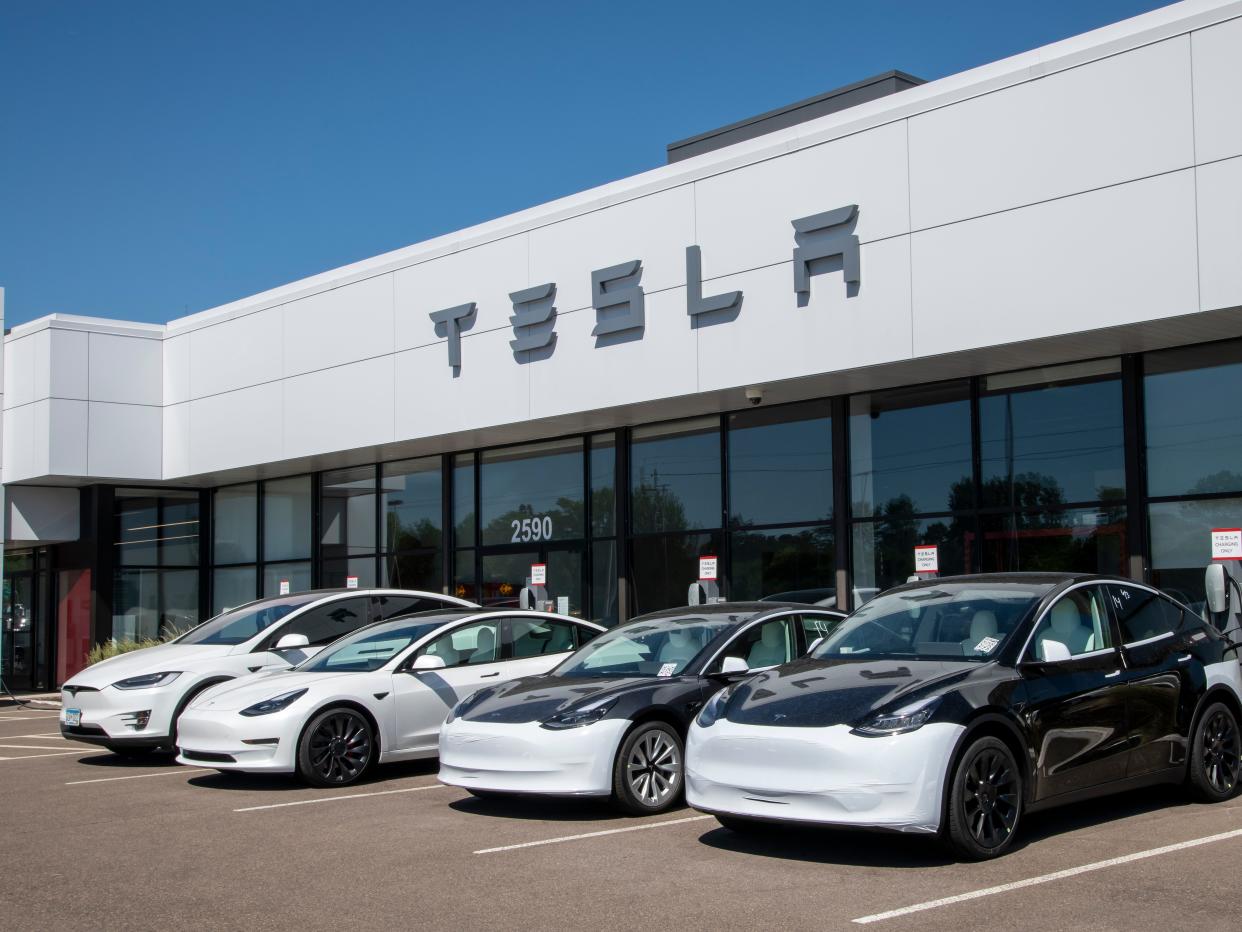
pixel 156 577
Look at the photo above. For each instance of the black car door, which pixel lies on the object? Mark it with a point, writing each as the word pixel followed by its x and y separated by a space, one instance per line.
pixel 1157 672
pixel 1075 708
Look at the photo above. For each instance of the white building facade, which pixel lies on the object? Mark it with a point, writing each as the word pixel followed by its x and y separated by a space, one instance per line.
pixel 994 313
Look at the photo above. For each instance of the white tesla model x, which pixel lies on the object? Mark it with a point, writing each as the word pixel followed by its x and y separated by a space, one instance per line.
pixel 378 695
pixel 131 703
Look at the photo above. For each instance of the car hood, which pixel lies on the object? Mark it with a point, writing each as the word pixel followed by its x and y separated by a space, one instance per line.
pixel 817 693
pixel 162 658
pixel 535 698
pixel 245 691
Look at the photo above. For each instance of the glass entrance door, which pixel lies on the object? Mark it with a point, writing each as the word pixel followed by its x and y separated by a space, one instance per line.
pixel 19 609
pixel 504 573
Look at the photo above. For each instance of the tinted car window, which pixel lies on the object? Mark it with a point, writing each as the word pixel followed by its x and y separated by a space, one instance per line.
pixel 390 606
pixel 1078 620
pixel 241 624
pixel 372 647
pixel 533 637
pixel 765 645
pixel 323 624
pixel 1142 614
pixel 469 644
pixel 815 627
pixel 656 647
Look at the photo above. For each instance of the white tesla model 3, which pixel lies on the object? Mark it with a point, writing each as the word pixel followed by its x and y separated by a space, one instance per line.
pixel 131 703
pixel 378 695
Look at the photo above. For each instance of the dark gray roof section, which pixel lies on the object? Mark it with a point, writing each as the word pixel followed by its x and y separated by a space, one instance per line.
pixel 890 82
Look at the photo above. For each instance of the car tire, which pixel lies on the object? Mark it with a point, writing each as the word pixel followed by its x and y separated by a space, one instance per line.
pixel 985 801
pixel 647 775
pixel 336 747
pixel 1215 755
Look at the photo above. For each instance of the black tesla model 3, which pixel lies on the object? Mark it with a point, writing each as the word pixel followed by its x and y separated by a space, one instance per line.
pixel 956 705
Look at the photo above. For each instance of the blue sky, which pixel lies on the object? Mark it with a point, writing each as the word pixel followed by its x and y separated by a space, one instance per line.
pixel 157 159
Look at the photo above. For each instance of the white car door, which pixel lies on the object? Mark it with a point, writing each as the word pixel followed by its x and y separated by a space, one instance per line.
pixel 471 654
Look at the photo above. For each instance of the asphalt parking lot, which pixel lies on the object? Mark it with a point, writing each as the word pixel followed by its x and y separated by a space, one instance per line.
pixel 91 840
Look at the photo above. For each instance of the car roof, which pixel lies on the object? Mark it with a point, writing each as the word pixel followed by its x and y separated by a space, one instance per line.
pixel 730 608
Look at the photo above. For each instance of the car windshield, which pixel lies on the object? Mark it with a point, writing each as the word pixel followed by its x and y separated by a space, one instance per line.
pixel 371 647
pixel 945 621
pixel 241 624
pixel 660 647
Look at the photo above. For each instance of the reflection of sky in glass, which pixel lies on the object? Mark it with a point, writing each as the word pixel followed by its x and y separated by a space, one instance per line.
pixel 781 472
pixel 916 452
pixel 1194 431
pixel 516 484
pixel 677 472
pixel 1069 434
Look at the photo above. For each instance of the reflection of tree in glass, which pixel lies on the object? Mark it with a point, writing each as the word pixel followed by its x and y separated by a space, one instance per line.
pixel 655 508
pixel 765 562
pixel 423 534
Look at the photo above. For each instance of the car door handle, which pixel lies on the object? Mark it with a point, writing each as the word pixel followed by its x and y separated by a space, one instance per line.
pixel 1109 676
pixel 484 676
pixel 1184 659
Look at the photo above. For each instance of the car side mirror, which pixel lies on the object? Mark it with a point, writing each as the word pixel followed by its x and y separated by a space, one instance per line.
pixel 734 665
pixel 289 641
pixel 1054 652
pixel 814 644
pixel 1217 594
pixel 425 662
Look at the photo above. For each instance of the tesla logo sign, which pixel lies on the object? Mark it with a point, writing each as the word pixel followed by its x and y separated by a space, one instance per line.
pixel 619 301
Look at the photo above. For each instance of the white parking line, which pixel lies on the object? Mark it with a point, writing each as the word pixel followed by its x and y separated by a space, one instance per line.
pixel 138 776
pixel 609 831
pixel 5 717
pixel 1048 878
pixel 26 747
pixel 54 754
pixel 55 734
pixel 334 799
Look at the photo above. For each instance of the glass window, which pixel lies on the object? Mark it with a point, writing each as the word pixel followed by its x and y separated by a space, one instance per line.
pixel 910 450
pixel 241 624
pixel 412 493
pixel 532 493
pixel 1181 544
pixel 783 561
pixel 370 649
pixel 1141 614
pixel 675 476
pixel 765 645
pixel 152 603
pixel 664 567
pixel 414 571
pixel 235 527
pixel 537 637
pixel 323 624
pixel 604 582
pixel 817 627
pixel 1078 540
pixel 156 529
pixel 1078 621
pixel 233 586
pixel 464 583
pixel 1194 435
pixel 348 512
pixel 603 485
pixel 297 575
pixel 463 499
pixel 1046 443
pixel 467 645
pixel 178 601
pixel 647 647
pixel 337 573
pixel 287 519
pixel 883 551
pixel 390 606
pixel 780 469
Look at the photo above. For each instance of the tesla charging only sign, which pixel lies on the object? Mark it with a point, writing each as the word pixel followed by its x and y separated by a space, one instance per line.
pixel 707 567
pixel 927 559
pixel 539 574
pixel 1227 543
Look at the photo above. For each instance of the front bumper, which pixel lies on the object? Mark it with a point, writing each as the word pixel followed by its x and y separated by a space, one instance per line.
pixel 108 715
pixel 821 775
pixel 219 740
pixel 527 758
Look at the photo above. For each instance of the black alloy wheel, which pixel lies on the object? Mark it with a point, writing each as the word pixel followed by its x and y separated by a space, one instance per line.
pixel 1216 755
pixel 647 773
pixel 336 748
pixel 985 804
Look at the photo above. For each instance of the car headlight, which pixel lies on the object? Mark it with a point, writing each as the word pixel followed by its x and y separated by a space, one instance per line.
pixel 907 718
pixel 714 710
pixel 275 704
pixel 577 717
pixel 468 703
pixel 147 680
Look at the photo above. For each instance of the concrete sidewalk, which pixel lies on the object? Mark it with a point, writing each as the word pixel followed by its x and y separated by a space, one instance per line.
pixel 38 700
